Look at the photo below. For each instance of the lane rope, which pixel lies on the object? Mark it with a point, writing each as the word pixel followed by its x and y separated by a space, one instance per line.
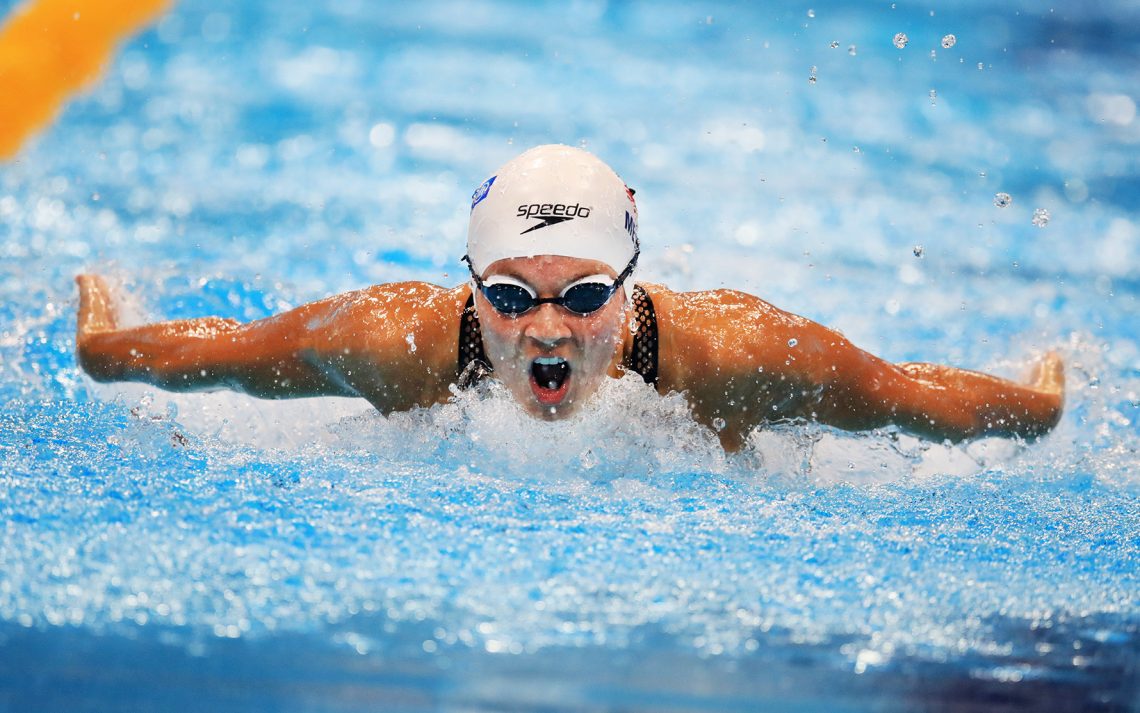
pixel 51 49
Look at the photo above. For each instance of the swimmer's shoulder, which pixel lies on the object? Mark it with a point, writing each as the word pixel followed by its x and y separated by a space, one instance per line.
pixel 411 313
pixel 395 344
pixel 731 329
pixel 709 313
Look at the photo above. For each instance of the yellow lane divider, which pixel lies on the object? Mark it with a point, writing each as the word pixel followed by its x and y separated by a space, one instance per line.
pixel 50 49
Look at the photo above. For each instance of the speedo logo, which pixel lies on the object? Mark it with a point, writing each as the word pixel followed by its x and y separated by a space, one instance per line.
pixel 550 213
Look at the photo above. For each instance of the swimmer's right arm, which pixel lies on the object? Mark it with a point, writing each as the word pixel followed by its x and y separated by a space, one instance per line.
pixel 357 344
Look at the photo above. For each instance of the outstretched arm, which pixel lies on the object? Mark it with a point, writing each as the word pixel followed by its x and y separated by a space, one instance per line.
pixel 182 355
pixel 942 402
pixel 742 362
pixel 357 344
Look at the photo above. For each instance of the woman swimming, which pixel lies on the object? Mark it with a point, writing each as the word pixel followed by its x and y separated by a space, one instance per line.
pixel 550 312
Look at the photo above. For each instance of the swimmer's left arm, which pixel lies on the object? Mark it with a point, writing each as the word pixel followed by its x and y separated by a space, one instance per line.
pixel 937 401
pixel 741 361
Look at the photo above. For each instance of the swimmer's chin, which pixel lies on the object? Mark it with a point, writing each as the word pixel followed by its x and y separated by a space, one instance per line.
pixel 553 412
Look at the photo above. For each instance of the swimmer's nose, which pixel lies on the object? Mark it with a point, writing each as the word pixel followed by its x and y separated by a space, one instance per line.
pixel 548 325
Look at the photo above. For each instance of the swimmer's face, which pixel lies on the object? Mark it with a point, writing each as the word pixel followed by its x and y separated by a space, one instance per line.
pixel 551 359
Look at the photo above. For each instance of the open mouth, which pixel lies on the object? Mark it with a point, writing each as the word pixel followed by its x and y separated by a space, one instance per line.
pixel 549 379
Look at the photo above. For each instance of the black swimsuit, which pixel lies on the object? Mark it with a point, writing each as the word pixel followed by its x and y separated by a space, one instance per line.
pixel 474 366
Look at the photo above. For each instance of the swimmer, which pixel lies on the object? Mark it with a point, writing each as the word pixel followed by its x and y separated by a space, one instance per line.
pixel 551 311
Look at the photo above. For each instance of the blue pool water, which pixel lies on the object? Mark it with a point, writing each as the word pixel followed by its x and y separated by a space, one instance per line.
pixel 214 552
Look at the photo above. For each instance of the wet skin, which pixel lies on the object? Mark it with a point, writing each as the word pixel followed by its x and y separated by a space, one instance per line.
pixel 739 361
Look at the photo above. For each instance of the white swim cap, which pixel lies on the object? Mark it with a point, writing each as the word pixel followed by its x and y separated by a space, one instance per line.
pixel 553 200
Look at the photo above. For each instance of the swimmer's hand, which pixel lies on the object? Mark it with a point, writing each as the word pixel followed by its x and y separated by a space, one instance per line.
pixel 1048 376
pixel 96 310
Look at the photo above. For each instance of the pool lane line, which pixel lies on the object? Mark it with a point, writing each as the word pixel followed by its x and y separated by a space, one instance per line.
pixel 51 49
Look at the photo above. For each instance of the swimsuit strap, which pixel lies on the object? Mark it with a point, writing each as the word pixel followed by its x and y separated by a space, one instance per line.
pixel 473 365
pixel 643 356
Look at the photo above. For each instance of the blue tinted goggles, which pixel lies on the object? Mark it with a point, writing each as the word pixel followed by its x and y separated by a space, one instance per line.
pixel 513 298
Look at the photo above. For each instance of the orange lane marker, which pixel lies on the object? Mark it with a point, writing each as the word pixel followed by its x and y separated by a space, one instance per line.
pixel 49 49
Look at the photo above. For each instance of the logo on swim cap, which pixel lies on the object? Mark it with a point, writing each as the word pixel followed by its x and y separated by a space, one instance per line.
pixel 551 214
pixel 481 192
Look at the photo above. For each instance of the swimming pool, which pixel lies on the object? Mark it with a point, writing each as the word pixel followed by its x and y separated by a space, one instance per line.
pixel 212 552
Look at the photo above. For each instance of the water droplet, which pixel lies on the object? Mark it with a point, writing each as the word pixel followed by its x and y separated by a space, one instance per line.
pixel 718 423
pixel 411 340
pixel 793 342
pixel 811 13
pixel 851 50
pixel 1002 200
pixel 949 41
pixel 588 459
pixel 901 40
pixel 919 251
pixel 834 44
pixel 1041 217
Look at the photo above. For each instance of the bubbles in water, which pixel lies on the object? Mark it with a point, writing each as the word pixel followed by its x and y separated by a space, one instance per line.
pixel 949 41
pixel 411 340
pixel 811 13
pixel 1041 217
pixel 919 251
pixel 901 40
pixel 834 44
pixel 1002 200
pixel 718 423
pixel 851 50
pixel 811 76
pixel 933 97
pixel 793 342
